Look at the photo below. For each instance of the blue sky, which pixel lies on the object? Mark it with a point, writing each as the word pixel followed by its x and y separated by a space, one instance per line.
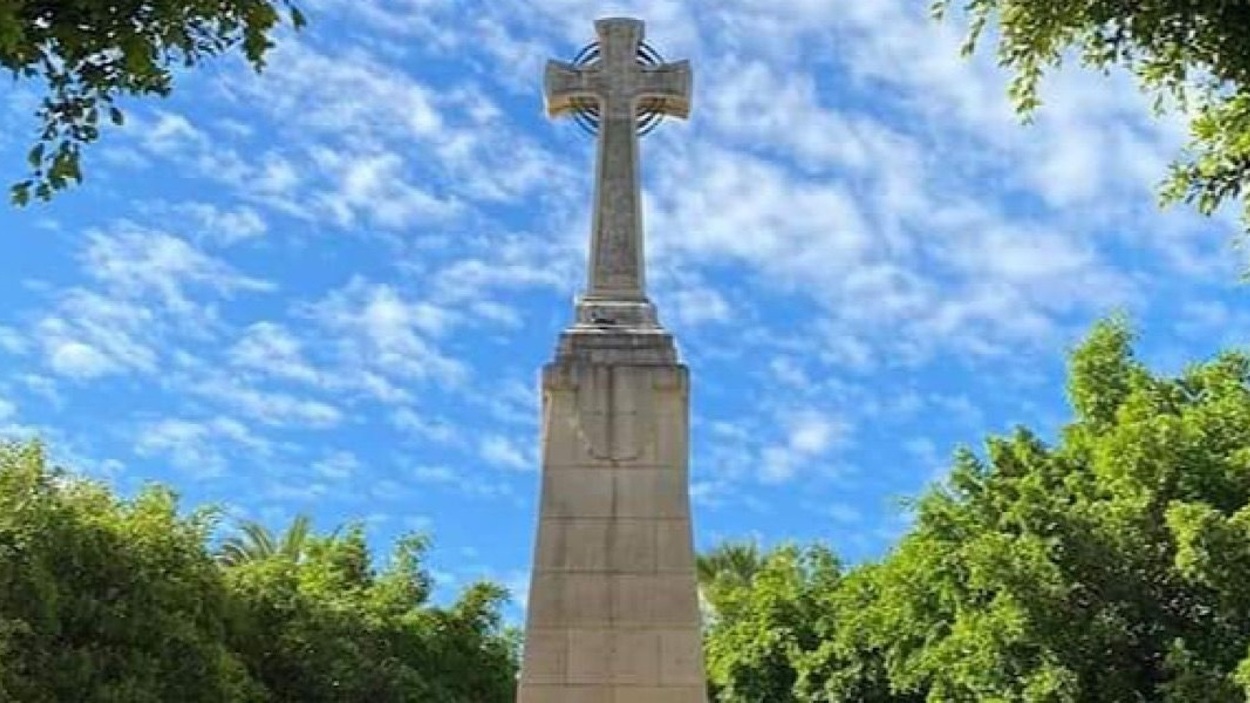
pixel 329 289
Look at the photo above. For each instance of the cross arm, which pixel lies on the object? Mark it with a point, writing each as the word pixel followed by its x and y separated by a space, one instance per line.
pixel 564 85
pixel 667 88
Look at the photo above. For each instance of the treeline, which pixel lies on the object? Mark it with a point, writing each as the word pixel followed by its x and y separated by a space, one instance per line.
pixel 126 601
pixel 1111 567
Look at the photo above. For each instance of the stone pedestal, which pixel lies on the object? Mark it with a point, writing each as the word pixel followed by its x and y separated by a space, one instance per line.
pixel 613 611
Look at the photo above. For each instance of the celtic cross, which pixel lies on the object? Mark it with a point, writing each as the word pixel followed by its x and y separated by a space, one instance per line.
pixel 618 87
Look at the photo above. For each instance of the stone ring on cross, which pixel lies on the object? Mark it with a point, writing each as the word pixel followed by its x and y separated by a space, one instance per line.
pixel 623 71
pixel 651 110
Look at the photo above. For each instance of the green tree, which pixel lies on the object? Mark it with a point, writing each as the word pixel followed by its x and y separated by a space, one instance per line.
pixel 726 566
pixel 86 54
pixel 256 542
pixel 331 627
pixel 770 608
pixel 105 600
pixel 1190 54
pixel 777 635
pixel 122 601
pixel 1110 567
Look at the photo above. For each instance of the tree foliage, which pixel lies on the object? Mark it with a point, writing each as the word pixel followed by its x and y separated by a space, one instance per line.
pixel 108 600
pixel 1193 54
pixel 86 54
pixel 1110 567
pixel 255 542
pixel 767 618
pixel 725 568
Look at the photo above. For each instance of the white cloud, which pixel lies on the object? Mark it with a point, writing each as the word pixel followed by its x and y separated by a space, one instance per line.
pixel 375 189
pixel 78 360
pixel 266 406
pixel 906 256
pixel 150 287
pixel 810 436
pixel 764 106
pixel 518 585
pixel 813 433
pixel 503 452
pixel 933 466
pixel 12 341
pixel 169 134
pixel 790 372
pixel 342 160
pixel 270 348
pixel 376 327
pixel 273 351
pixel 671 24
pixel 384 102
pixel 434 429
pixel 961 409
pixel 90 335
pixel 43 387
pixel 301 491
pixel 388 489
pixel 434 474
pixel 698 306
pixel 199 447
pixel 508 264
pixel 338 466
pixel 467 483
pixel 510 400
pixel 137 263
pixel 710 494
pixel 844 513
pixel 387 317
pixel 220 225
pixel 495 313
pixel 716 204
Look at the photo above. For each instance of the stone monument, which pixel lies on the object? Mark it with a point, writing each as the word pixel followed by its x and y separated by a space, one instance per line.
pixel 613 612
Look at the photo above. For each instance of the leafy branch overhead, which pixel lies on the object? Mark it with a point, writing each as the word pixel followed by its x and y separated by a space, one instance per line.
pixel 85 54
pixel 1193 55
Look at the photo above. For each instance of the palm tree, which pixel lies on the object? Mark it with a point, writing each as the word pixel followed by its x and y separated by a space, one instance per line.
pixel 734 563
pixel 727 565
pixel 257 543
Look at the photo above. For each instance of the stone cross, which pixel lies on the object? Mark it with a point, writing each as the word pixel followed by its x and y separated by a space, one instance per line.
pixel 621 86
pixel 613 609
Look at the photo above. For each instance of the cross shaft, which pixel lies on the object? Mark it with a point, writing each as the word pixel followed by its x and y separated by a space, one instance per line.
pixel 619 84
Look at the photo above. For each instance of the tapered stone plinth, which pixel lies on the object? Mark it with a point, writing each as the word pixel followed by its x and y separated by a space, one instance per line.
pixel 613 611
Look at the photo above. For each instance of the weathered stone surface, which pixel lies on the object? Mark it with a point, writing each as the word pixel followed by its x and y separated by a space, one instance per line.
pixel 618 83
pixel 613 608
pixel 613 612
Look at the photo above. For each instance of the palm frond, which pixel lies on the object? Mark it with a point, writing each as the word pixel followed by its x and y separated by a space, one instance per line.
pixel 296 537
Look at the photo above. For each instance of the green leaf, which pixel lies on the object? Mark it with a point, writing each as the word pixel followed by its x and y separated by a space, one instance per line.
pixel 46 45
pixel 20 193
pixel 1188 57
